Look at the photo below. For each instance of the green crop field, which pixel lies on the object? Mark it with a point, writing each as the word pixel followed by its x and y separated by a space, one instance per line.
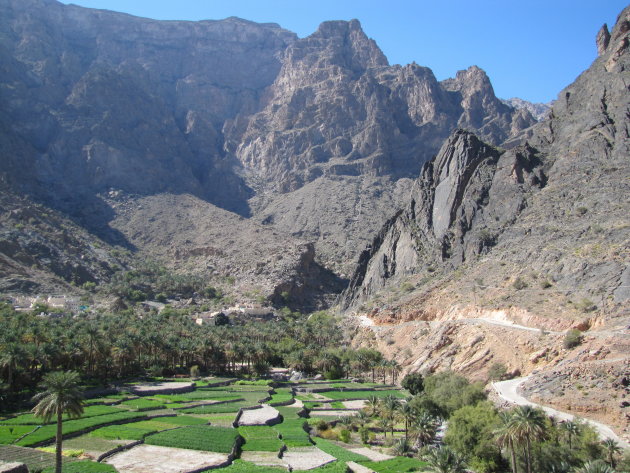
pixel 10 433
pixel 36 460
pixel 363 394
pixel 197 437
pixel 338 452
pixel 122 432
pixel 143 404
pixel 200 395
pixel 260 439
pixel 48 432
pixel 395 465
pixel 281 395
pixel 84 467
pixel 288 412
pixel 293 433
pixel 240 466
pixel 89 411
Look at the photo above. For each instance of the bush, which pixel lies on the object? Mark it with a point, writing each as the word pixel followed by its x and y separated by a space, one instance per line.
pixel 414 383
pixel 497 371
pixel 344 435
pixel 572 339
pixel 322 425
pixel 519 283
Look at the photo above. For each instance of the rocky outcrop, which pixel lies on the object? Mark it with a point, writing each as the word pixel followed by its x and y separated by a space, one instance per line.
pixel 317 137
pixel 499 252
pixel 550 200
pixel 459 206
pixel 539 111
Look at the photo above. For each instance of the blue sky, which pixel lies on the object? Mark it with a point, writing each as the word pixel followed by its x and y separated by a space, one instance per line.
pixel 530 48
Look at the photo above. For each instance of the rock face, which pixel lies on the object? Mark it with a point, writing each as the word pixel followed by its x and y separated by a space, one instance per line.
pixel 93 100
pixel 551 199
pixel 499 251
pixel 539 111
pixel 318 137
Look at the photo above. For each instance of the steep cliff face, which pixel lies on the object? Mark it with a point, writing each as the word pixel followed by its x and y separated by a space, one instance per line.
pixel 338 117
pixel 317 137
pixel 459 206
pixel 105 100
pixel 499 251
pixel 551 195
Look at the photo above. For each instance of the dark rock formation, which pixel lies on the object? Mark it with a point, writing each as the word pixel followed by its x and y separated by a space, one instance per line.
pixel 554 204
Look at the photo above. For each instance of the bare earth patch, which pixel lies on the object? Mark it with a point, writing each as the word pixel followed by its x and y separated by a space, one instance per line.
pixel 154 459
pixel 261 416
pixel 162 388
pixel 371 454
pixel 356 404
pixel 263 458
pixel 306 458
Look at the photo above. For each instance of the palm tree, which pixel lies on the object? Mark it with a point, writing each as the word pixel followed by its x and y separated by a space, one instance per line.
pixel 505 437
pixel 444 460
pixel 571 429
pixel 612 448
pixel 390 408
pixel 424 429
pixel 407 414
pixel 61 396
pixel 372 406
pixel 596 466
pixel 527 425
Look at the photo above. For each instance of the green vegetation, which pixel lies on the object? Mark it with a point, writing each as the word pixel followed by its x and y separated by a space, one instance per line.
pixel 261 439
pixel 240 466
pixel 572 339
pixel 217 408
pixel 197 437
pixel 34 459
pixel 10 433
pixel 363 394
pixel 414 383
pixel 339 453
pixel 142 404
pixel 281 395
pixel 293 433
pixel 61 396
pixel 85 467
pixel 47 432
pixel 395 465
pixel 90 411
pixel 122 432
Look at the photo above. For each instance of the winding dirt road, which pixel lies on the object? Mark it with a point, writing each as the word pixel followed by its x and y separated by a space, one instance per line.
pixel 508 390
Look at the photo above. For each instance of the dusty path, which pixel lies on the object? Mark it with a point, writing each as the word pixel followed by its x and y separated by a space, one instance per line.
pixel 508 390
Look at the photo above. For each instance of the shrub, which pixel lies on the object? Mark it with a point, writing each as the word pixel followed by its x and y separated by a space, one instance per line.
pixel 322 425
pixel 519 283
pixel 344 435
pixel 497 371
pixel 414 383
pixel 572 338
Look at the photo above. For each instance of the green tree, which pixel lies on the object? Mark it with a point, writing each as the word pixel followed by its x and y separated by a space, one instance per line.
pixel 414 383
pixel 61 396
pixel 528 426
pixel 444 460
pixel 506 438
pixel 470 433
pixel 611 448
pixel 596 466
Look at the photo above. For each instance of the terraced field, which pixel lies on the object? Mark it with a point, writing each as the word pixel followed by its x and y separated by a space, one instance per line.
pixel 170 425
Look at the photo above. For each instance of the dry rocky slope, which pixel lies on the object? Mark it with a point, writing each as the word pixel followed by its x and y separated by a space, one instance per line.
pixel 500 250
pixel 316 138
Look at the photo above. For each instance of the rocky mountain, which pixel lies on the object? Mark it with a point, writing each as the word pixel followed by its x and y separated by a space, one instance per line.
pixel 317 138
pixel 499 250
pixel 539 111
